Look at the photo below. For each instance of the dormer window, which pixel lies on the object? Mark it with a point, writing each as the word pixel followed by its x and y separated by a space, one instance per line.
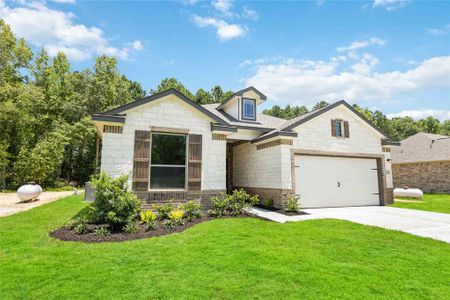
pixel 248 109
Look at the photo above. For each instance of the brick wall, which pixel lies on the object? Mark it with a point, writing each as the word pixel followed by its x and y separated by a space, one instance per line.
pixel 278 196
pixel 430 177
pixel 149 199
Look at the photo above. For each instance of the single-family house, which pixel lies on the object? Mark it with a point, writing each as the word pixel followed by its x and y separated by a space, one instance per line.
pixel 177 149
pixel 423 161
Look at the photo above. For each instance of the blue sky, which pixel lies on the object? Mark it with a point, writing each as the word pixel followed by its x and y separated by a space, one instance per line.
pixel 392 55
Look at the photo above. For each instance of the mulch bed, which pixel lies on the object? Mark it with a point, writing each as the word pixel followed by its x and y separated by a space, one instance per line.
pixel 280 211
pixel 66 234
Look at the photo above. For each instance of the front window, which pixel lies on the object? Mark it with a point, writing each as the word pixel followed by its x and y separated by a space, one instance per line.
pixel 168 161
pixel 249 109
pixel 339 130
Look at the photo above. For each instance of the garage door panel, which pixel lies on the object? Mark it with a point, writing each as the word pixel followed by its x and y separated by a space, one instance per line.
pixel 336 181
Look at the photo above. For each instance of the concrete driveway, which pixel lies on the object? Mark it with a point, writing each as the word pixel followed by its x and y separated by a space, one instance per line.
pixel 417 222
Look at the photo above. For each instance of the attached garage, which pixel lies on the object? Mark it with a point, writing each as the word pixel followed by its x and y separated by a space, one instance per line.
pixel 333 181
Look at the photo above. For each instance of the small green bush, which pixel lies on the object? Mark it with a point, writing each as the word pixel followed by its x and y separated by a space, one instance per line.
pixel 219 205
pixel 102 231
pixel 147 216
pixel 168 224
pixel 114 203
pixel 192 210
pixel 239 200
pixel 72 224
pixel 130 228
pixel 176 217
pixel 292 204
pixel 81 228
pixel 164 210
pixel 267 202
pixel 151 225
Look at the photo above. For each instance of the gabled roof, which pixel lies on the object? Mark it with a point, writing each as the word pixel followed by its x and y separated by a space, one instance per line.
pixel 291 124
pixel 241 93
pixel 157 96
pixel 288 126
pixel 264 122
pixel 422 147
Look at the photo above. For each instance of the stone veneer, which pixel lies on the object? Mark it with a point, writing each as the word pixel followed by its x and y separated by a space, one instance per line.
pixel 430 177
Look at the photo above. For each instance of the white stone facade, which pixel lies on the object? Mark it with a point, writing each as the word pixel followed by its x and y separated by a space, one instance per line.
pixel 271 167
pixel 169 111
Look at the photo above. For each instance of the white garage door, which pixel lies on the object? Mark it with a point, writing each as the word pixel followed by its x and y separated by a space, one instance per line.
pixel 323 181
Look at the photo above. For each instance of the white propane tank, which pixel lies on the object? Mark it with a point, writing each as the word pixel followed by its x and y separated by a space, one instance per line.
pixel 29 191
pixel 407 193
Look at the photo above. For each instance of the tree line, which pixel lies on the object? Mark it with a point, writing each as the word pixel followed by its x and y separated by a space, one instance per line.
pixel 46 133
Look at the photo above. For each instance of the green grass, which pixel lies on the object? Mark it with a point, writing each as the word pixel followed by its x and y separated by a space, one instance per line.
pixel 224 258
pixel 429 202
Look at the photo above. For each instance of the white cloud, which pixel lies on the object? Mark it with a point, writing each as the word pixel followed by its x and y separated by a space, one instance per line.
pixel 64 1
pixel 390 5
pixel 441 115
pixel 250 13
pixel 439 31
pixel 222 5
pixel 320 2
pixel 137 45
pixel 306 81
pixel 224 30
pixel 361 44
pixel 57 31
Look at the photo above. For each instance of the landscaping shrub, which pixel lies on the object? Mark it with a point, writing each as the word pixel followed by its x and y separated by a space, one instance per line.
pixel 147 216
pixel 219 205
pixel 102 231
pixel 192 210
pixel 114 203
pixel 176 217
pixel 168 224
pixel 81 228
pixel 130 228
pixel 239 200
pixel 292 204
pixel 151 226
pixel 72 224
pixel 164 210
pixel 149 219
pixel 267 202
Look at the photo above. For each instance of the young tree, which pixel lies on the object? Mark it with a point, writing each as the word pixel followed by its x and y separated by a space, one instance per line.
pixel 320 105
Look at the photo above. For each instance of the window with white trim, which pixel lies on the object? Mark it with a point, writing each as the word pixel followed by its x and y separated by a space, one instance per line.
pixel 168 161
pixel 248 109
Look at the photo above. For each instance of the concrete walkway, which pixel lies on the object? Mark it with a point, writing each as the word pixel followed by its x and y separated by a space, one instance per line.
pixel 417 222
pixel 10 204
pixel 280 218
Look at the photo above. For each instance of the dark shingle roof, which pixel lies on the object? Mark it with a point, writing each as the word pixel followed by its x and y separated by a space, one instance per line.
pixel 422 147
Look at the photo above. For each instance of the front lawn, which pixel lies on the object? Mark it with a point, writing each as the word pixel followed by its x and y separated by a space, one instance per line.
pixel 430 202
pixel 223 258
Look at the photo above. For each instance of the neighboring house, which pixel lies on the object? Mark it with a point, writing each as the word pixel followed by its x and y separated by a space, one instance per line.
pixel 177 149
pixel 423 161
